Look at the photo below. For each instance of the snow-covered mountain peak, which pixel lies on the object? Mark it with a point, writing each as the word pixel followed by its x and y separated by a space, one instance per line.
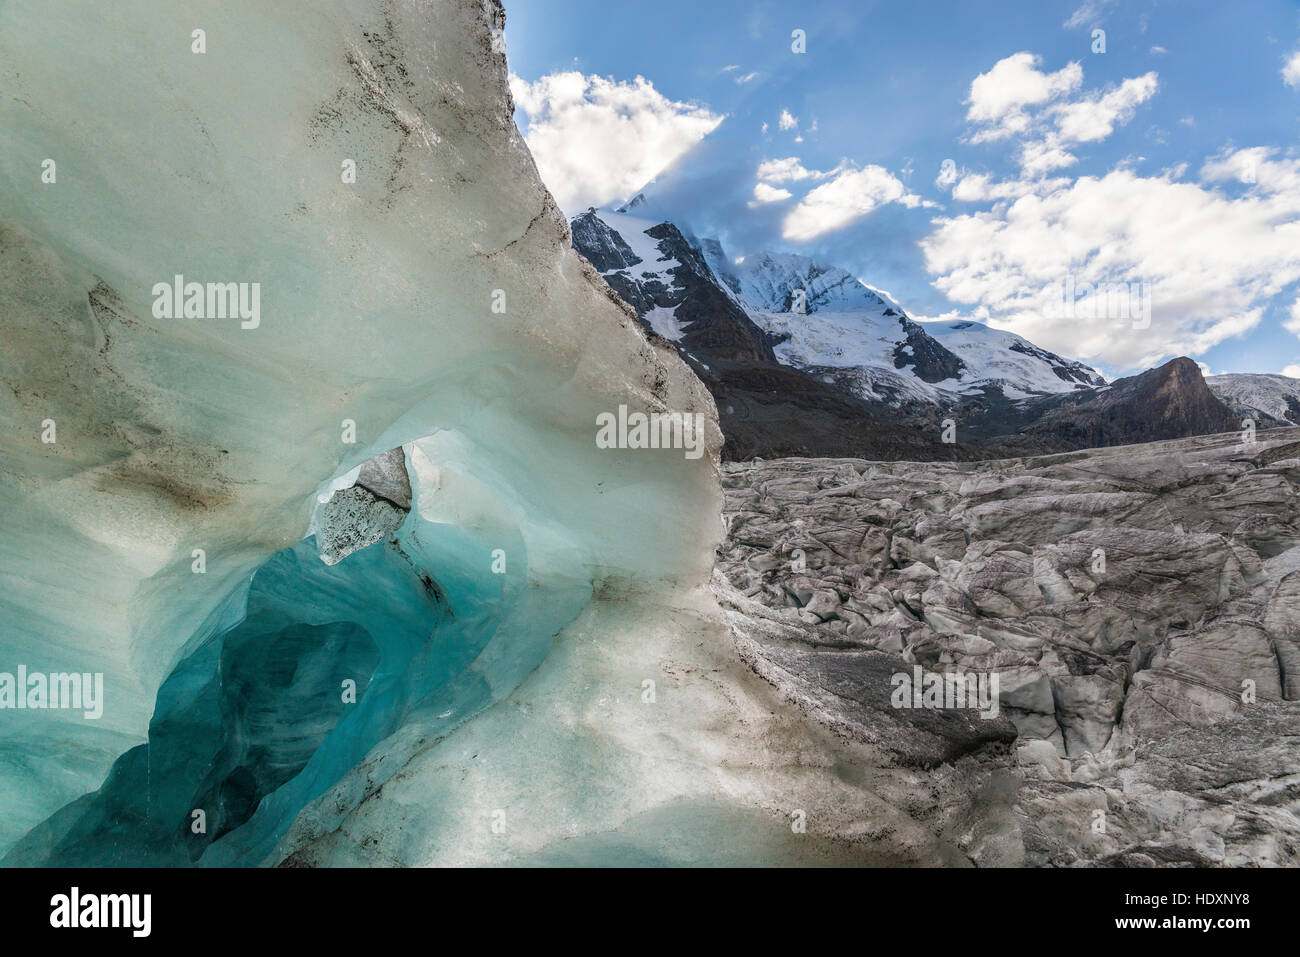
pixel 616 242
pixel 667 280
pixel 1022 368
pixel 767 282
pixel 1246 393
pixel 810 316
pixel 636 202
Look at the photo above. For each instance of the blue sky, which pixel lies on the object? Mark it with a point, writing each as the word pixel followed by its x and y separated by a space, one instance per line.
pixel 1167 161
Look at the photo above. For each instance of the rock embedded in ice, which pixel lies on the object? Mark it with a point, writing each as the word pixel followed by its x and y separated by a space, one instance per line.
pixel 385 476
pixel 354 518
pixel 366 512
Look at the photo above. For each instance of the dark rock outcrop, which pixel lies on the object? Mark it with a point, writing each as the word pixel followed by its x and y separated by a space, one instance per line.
pixel 920 350
pixel 1171 401
pixel 604 248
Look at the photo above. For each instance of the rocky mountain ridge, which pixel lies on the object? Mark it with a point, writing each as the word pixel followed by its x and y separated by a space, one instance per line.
pixel 805 359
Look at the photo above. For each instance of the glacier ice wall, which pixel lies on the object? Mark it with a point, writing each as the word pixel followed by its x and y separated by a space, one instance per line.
pixel 172 435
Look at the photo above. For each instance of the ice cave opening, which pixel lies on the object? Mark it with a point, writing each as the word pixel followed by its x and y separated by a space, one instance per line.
pixel 416 599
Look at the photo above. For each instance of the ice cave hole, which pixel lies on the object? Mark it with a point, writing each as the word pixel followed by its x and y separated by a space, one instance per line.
pixel 322 662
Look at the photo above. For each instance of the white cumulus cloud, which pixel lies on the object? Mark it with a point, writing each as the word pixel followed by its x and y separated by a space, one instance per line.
pixel 1046 114
pixel 788 170
pixel 596 140
pixel 769 194
pixel 998 98
pixel 1293 324
pixel 978 187
pixel 852 194
pixel 1206 262
pixel 1291 70
pixel 1094 117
